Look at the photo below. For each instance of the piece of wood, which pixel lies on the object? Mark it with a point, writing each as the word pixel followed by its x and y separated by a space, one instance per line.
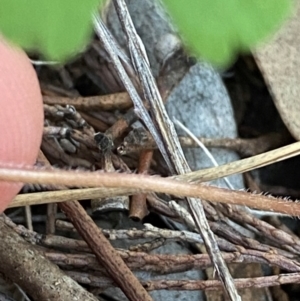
pixel 35 274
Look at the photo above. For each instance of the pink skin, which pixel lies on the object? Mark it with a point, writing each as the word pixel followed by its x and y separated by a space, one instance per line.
pixel 21 115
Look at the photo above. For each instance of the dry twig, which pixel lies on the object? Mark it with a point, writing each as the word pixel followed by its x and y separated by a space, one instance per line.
pixel 104 252
pixel 118 101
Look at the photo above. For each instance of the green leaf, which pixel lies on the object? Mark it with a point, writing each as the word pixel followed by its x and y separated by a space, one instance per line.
pixel 57 29
pixel 217 30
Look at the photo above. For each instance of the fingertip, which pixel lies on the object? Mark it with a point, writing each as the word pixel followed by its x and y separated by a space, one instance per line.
pixel 21 114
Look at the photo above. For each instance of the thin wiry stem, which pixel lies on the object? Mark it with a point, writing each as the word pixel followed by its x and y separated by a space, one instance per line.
pixel 204 148
pixel 132 183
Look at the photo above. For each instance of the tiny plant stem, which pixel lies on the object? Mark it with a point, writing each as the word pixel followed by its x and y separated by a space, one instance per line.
pixel 144 183
pixel 204 148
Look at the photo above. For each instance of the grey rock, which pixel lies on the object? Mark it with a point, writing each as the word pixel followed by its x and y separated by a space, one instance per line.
pixel 201 103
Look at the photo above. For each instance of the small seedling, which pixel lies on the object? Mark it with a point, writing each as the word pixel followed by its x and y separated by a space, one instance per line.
pixel 214 30
pixel 57 29
pixel 217 31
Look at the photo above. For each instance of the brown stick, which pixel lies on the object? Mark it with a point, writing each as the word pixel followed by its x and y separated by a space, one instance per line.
pixel 191 285
pixel 117 101
pixel 256 282
pixel 51 214
pixel 97 124
pixel 166 263
pixel 120 126
pixel 104 252
pixel 26 266
pixel 246 147
pixel 138 204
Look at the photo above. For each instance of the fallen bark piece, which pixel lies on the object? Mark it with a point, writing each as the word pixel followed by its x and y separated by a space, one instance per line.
pixel 36 275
